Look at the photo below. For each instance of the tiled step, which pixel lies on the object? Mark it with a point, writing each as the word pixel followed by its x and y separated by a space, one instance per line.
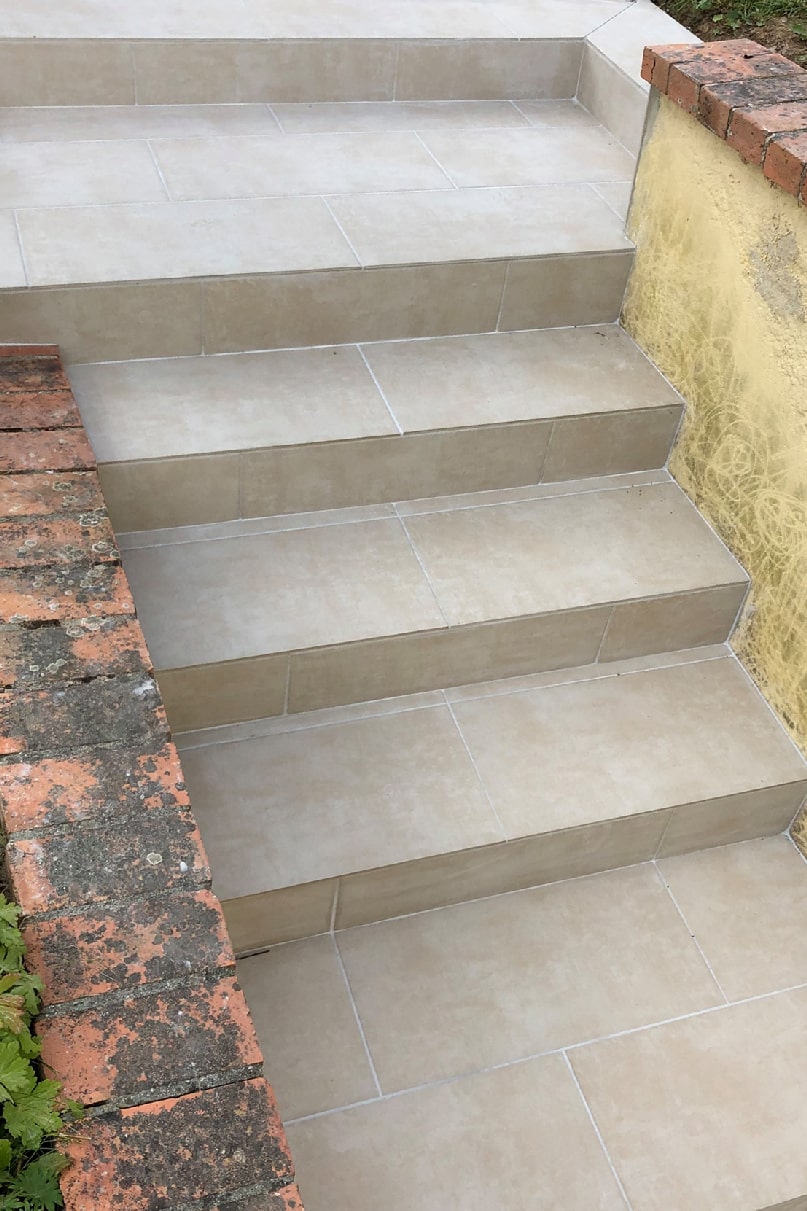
pixel 638 1032
pixel 248 619
pixel 358 814
pixel 185 441
pixel 226 228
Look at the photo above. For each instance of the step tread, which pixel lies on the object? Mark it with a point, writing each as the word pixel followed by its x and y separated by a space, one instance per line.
pixel 207 601
pixel 338 792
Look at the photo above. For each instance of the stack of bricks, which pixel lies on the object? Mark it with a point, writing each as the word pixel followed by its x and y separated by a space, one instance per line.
pixel 143 1019
pixel 752 98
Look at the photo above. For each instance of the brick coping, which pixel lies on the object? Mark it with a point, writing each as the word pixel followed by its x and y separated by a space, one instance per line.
pixel 750 97
pixel 143 1018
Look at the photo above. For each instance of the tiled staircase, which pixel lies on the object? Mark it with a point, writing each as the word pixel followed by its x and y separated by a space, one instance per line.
pixel 430 617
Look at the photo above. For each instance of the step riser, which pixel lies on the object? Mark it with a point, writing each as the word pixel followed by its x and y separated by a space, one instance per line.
pixel 97 323
pixel 272 917
pixel 193 490
pixel 183 72
pixel 229 692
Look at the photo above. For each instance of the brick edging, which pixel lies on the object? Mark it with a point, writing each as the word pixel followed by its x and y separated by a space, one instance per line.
pixel 753 99
pixel 143 1018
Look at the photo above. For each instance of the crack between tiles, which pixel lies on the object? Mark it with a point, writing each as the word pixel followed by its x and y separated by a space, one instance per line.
pixel 472 760
pixel 156 164
pixel 501 300
pixel 432 156
pixel 622 217
pixel 26 275
pixel 422 566
pixel 380 391
pixel 341 229
pixel 354 1007
pixel 597 1132
pixel 276 120
pixel 689 930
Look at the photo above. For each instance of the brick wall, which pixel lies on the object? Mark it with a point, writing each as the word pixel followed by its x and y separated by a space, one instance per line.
pixel 143 1017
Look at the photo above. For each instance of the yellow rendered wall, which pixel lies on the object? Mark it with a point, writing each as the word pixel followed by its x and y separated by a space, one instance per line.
pixel 718 299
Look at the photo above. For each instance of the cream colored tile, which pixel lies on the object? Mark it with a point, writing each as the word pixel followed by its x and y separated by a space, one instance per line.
pixel 335 475
pixel 242 526
pixel 408 887
pixel 255 922
pixel 637 26
pixel 745 905
pixel 545 19
pixel 309 164
pixel 179 239
pixel 553 291
pixel 470 224
pixel 617 194
pixel 520 1136
pixel 675 621
pixel 228 692
pixel 12 270
pixel 556 113
pixel 65 72
pixel 411 663
pixel 739 817
pixel 483 70
pixel 568 551
pixel 199 405
pixel 102 122
pixel 611 444
pixel 463 988
pixel 95 323
pixel 206 602
pixel 306 1027
pixel 610 748
pixel 539 156
pixel 618 101
pixel 333 308
pixel 171 492
pixel 706 1113
pixel 100 20
pixel 399 115
pixel 301 806
pixel 510 376
pixel 569 487
pixel 77 174
pixel 394 19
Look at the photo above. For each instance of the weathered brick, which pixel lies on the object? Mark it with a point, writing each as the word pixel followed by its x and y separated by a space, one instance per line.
pixel 717 101
pixel 38 410
pixel 94 788
pixel 122 710
pixel 656 62
pixel 287 1199
pixel 48 541
pixel 49 493
pixel 114 862
pixel 64 593
pixel 107 947
pixel 9 349
pixel 178 1151
pixel 786 161
pixel 718 62
pixel 140 1046
pixel 47 450
pixel 31 657
pixel 23 368
pixel 751 129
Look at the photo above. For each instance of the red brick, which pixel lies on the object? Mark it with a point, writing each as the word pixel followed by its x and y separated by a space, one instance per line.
pixel 38 410
pixel 145 1044
pixel 114 862
pixel 287 1199
pixel 179 1151
pixel 751 129
pixel 45 541
pixel 785 162
pixel 96 788
pixel 717 101
pixel 108 947
pixel 24 370
pixel 70 592
pixel 46 450
pixel 656 62
pixel 719 62
pixel 49 493
pixel 76 651
pixel 9 350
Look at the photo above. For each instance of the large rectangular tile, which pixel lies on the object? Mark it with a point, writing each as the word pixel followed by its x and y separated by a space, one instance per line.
pixel 678 620
pixel 464 988
pixel 42 71
pixel 147 19
pixel 295 807
pixel 247 167
pixel 359 116
pixel 706 1113
pixel 177 491
pixel 285 915
pixel 612 747
pixel 623 39
pixel 226 692
pixel 546 19
pixel 55 124
pixel 78 174
pixel 394 19
pixel 520 1134
pixel 618 101
pixel 477 224
pixel 479 69
pixel 612 443
pixel 12 270
pixel 539 156
pixel 730 818
pixel 179 239
pixel 548 292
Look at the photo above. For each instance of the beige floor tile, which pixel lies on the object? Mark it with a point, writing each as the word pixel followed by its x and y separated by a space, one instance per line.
pixel 148 19
pixel 301 806
pixel 208 404
pixel 306 1027
pixel 204 602
pixel 741 817
pixel 359 116
pixel 463 988
pixel 470 224
pixel 592 750
pixel 555 113
pixel 501 496
pixel 228 692
pixel 568 551
pixel 240 526
pixel 393 19
pixel 185 239
pixel 667 623
pixel 519 1137
pixel 638 25
pixel 548 292
pixel 48 71
pixel 78 174
pixel 12 271
pixel 170 491
pixel 611 444
pixel 706 1114
pixel 487 69
pixel 273 917
pixel 540 156
pixel 618 101
pixel 617 194
pixel 308 164
pixel 509 376
pixel 102 122
pixel 546 19
pixel 746 905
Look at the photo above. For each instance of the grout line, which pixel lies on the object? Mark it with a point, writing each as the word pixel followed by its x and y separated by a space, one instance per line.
pixel 792 841
pixel 354 1007
pixel 334 908
pixel 700 949
pixel 26 274
pixel 472 759
pixel 133 57
pixel 380 390
pixel 416 554
pixel 278 123
pixel 431 154
pixel 622 217
pixel 341 229
pixel 395 67
pixel 597 1131
pixel 288 684
pixel 605 630
pixel 156 164
pixel 507 267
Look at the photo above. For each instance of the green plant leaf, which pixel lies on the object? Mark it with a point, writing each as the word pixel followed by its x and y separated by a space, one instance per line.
pixel 17 1077
pixel 39 1182
pixel 5 1156
pixel 33 1115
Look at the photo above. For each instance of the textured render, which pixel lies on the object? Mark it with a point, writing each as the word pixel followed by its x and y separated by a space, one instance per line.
pixel 718 299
